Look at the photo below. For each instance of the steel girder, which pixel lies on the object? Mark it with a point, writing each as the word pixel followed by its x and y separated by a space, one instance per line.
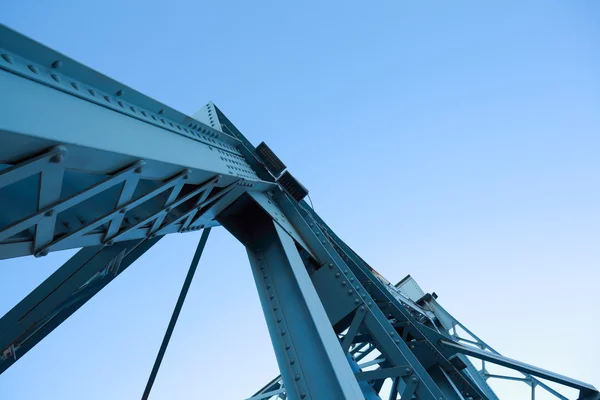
pixel 63 293
pixel 85 160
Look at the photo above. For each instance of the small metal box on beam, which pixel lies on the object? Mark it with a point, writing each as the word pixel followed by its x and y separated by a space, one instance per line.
pixel 272 162
pixel 292 186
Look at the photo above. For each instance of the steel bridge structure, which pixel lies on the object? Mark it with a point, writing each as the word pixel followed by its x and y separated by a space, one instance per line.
pixel 88 163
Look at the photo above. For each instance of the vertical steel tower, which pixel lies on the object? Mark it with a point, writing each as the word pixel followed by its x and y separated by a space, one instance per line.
pixel 86 162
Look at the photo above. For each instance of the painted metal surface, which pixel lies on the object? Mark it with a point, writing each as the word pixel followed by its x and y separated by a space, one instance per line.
pixel 107 169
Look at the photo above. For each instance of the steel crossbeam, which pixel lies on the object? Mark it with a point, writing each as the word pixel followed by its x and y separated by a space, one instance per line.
pixel 106 169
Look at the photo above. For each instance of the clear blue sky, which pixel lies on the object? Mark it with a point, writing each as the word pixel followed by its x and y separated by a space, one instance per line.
pixel 455 141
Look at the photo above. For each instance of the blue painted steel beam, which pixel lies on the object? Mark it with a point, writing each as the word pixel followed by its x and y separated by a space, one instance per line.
pixel 61 294
pixel 72 159
pixel 310 358
pixel 519 366
pixel 338 305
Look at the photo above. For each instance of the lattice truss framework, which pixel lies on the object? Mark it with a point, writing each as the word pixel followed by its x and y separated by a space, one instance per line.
pixel 86 162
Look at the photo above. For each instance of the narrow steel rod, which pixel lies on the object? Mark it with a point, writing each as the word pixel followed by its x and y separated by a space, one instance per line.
pixel 176 311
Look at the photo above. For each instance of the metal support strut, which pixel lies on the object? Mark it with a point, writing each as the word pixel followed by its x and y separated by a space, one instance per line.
pixel 176 311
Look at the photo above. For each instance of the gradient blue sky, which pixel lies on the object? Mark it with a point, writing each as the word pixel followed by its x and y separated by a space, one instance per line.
pixel 455 141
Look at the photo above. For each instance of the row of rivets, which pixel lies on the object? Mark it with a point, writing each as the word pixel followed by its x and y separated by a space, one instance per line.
pixel 196 130
pixel 281 326
pixel 392 333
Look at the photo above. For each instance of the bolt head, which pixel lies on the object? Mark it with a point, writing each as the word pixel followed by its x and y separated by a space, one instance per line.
pixel 57 159
pixel 41 253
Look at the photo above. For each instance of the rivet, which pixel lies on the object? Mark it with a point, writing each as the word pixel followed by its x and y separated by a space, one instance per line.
pixel 350 292
pixel 264 277
pixel 33 68
pixel 57 64
pixel 120 93
pixel 152 236
pixel 361 308
pixel 343 283
pixel 41 253
pixel 57 158
pixel 275 308
pixel 185 177
pixel 369 304
pixel 168 209
pixel 49 213
pixel 414 379
pixel 392 333
pixel 292 361
pixel 161 112
pixel 110 243
pixel 287 346
pixel 123 210
pixel 407 370
pixel 337 274
pixel 351 279
pixel 92 92
pixel 7 57
pixel 330 265
pixel 345 271
pixel 55 77
pixel 271 297
pixel 278 320
pixel 107 98
pixel 283 333
pixel 302 395
pixel 356 301
pixel 297 377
